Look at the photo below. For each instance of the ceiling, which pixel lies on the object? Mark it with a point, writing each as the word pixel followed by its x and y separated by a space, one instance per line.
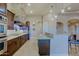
pixel 74 7
pixel 37 8
pixel 23 9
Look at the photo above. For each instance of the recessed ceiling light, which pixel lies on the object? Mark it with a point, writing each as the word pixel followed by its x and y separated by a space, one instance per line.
pixel 55 16
pixel 29 4
pixel 33 23
pixel 50 11
pixel 69 8
pixel 31 11
pixel 62 11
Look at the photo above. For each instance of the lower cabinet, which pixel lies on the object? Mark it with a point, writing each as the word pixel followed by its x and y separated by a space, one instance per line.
pixel 23 39
pixel 44 47
pixel 14 44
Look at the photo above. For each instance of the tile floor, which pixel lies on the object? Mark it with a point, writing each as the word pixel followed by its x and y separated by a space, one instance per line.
pixel 30 48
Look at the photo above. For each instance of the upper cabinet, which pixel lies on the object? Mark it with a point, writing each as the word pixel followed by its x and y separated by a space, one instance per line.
pixel 10 17
pixel 8 14
pixel 3 8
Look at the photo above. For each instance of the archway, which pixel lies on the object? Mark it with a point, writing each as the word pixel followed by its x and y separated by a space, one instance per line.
pixel 73 26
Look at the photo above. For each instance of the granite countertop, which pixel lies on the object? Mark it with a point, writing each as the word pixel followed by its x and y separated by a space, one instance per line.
pixel 44 37
pixel 14 34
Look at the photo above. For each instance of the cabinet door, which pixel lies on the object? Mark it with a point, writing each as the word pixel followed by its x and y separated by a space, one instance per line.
pixel 22 39
pixel 25 39
pixel 11 47
pixel 17 43
pixel 3 8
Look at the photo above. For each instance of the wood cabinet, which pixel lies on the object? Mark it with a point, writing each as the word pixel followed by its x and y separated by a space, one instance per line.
pixel 10 17
pixel 23 40
pixel 44 47
pixel 3 8
pixel 14 44
pixel 11 46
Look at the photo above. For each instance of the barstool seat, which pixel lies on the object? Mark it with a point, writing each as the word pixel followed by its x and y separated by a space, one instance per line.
pixel 76 45
pixel 74 42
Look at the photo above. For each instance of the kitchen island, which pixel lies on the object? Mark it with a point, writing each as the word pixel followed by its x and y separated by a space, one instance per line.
pixel 14 42
pixel 44 45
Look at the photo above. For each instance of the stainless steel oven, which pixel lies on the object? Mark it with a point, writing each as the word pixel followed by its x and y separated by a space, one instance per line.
pixel 3 26
pixel 3 29
pixel 3 45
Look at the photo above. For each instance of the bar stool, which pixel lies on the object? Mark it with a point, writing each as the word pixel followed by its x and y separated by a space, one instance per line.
pixel 76 44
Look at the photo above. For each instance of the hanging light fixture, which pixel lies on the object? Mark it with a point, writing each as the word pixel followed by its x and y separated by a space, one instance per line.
pixel 31 11
pixel 51 9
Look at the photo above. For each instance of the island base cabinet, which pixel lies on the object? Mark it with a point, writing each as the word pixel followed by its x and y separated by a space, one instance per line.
pixel 44 47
